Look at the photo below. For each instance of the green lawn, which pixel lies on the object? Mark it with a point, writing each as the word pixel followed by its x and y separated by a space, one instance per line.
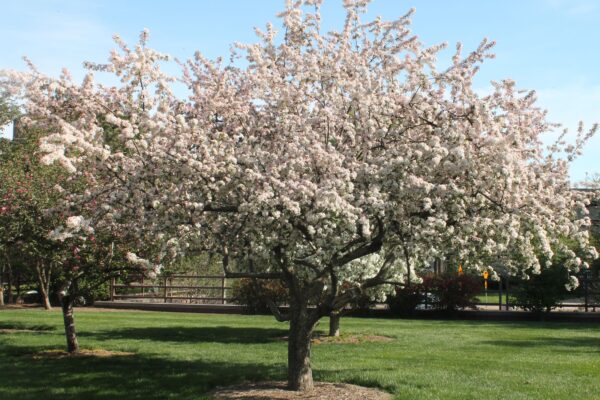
pixel 493 297
pixel 181 356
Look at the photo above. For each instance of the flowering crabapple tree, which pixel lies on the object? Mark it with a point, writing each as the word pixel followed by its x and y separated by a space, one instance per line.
pixel 32 212
pixel 322 150
pixel 8 112
pixel 26 192
pixel 8 109
pixel 88 260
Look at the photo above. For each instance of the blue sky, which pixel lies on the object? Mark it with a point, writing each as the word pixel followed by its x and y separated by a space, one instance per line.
pixel 552 46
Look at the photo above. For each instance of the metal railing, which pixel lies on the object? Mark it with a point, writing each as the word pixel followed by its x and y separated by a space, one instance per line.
pixel 585 298
pixel 191 289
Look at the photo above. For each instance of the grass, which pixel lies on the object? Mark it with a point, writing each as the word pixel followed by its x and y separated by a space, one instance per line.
pixel 493 297
pixel 182 356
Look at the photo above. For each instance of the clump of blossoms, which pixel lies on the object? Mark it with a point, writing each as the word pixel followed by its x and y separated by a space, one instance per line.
pixel 323 150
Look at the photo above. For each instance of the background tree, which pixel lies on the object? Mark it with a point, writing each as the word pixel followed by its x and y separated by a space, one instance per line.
pixel 27 191
pixel 543 291
pixel 71 258
pixel 88 261
pixel 322 150
pixel 8 112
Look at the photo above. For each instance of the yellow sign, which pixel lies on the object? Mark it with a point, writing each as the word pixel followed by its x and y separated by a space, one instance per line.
pixel 460 270
pixel 485 275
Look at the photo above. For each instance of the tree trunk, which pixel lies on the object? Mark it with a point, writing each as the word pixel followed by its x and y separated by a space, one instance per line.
pixel 408 271
pixel 43 276
pixel 2 285
pixel 71 335
pixel 334 324
pixel 17 280
pixel 45 298
pixel 9 281
pixel 301 327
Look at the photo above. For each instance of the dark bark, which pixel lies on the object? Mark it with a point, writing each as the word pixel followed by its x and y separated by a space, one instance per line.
pixel 70 334
pixel 17 281
pixel 302 324
pixel 408 266
pixel 334 324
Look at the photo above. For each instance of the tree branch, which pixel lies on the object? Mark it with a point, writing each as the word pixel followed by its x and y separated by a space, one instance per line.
pixel 372 247
pixel 255 275
pixel 223 208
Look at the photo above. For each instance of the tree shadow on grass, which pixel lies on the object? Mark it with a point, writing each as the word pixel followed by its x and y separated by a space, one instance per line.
pixel 121 377
pixel 186 334
pixel 545 325
pixel 355 378
pixel 581 343
pixel 26 326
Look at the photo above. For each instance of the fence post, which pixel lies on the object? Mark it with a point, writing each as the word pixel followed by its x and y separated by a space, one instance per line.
pixel 585 288
pixel 507 291
pixel 165 290
pixel 112 289
pixel 500 294
pixel 143 286
pixel 223 301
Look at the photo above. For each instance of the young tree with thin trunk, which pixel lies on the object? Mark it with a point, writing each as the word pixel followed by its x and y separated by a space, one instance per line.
pixel 26 193
pixel 4 269
pixel 322 150
pixel 8 112
pixel 32 212
pixel 44 275
pixel 92 260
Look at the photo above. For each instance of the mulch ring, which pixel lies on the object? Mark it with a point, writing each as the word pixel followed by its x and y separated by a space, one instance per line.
pixel 321 338
pixel 278 391
pixel 350 339
pixel 101 353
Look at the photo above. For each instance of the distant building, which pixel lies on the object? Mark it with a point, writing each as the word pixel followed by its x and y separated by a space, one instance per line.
pixel 595 215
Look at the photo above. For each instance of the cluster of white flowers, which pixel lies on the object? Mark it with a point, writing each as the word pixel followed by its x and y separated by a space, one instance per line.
pixel 75 225
pixel 151 270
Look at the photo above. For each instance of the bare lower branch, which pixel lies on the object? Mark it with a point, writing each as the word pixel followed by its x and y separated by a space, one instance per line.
pixel 372 247
pixel 254 275
pixel 222 208
pixel 279 316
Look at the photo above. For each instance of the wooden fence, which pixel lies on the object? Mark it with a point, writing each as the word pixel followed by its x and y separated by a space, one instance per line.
pixel 216 289
pixel 189 289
